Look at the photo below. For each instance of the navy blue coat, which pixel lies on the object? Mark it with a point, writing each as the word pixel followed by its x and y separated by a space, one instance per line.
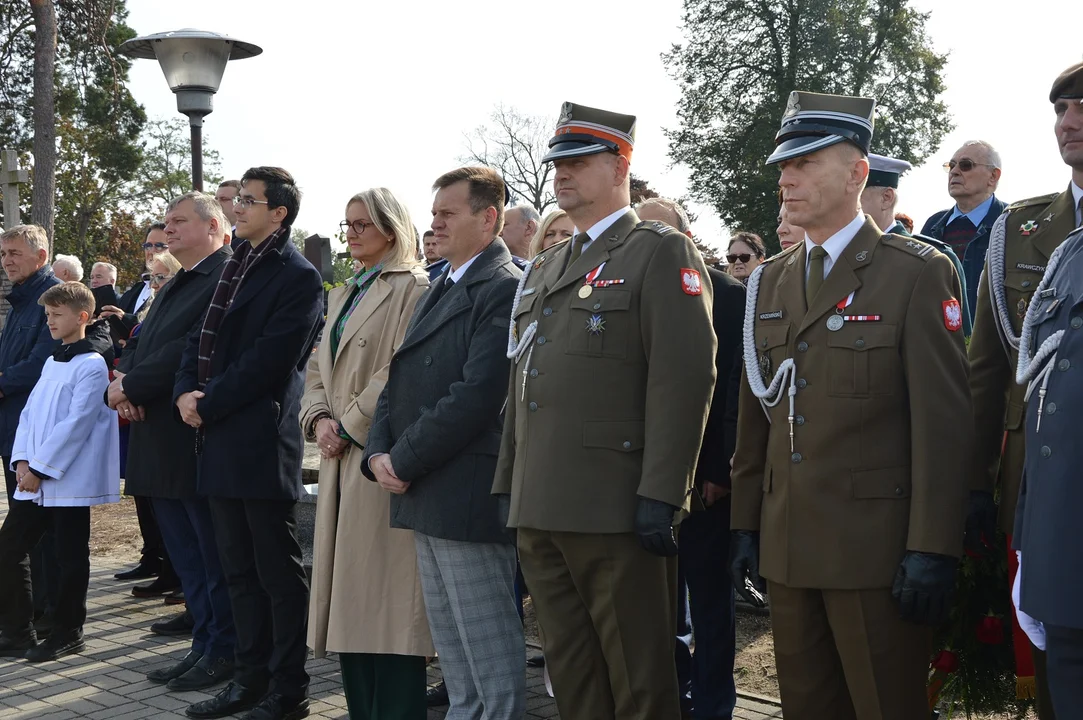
pixel 24 347
pixel 974 257
pixel 252 444
pixel 1047 517
pixel 440 414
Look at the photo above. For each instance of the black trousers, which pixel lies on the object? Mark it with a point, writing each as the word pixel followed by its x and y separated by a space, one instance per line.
pixel 1064 668
pixel 23 528
pixel 44 571
pixel 268 590
pixel 154 551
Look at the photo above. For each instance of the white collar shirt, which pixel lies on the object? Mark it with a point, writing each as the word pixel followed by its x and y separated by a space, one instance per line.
pixel 834 245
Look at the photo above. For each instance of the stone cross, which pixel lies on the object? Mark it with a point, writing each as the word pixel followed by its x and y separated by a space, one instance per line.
pixel 11 177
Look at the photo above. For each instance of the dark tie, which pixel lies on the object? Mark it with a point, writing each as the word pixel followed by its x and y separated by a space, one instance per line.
pixel 815 274
pixel 448 284
pixel 578 242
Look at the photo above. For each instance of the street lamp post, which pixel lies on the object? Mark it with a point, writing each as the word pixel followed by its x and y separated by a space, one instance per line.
pixel 193 62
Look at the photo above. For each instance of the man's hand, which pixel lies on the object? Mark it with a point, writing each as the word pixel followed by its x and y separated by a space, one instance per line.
pixel 981 522
pixel 21 468
pixel 712 493
pixel 108 310
pixel 130 412
pixel 654 527
pixel 115 394
pixel 29 482
pixel 186 404
pixel 745 567
pixel 332 445
pixel 924 584
pixel 385 474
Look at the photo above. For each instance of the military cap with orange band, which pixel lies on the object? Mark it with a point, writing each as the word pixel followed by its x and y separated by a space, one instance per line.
pixel 583 130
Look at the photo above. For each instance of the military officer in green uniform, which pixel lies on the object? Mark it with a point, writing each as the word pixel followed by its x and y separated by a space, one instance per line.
pixel 613 353
pixel 879 200
pixel 853 435
pixel 1020 244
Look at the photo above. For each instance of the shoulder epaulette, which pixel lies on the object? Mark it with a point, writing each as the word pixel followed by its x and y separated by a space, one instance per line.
pixel 910 245
pixel 1040 200
pixel 784 253
pixel 544 254
pixel 656 226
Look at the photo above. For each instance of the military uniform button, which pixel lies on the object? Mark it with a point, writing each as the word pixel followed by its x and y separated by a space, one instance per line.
pixel 802 347
pixel 801 383
pixel 1077 322
pixel 533 407
pixel 627 445
pixel 1050 408
pixel 898 492
pixel 859 343
pixel 765 342
pixel 534 372
pixel 795 458
pixel 1026 283
pixel 428 360
pixel 541 340
pixel 1063 365
pixel 800 419
pixel 597 306
pixel 547 312
pixel 1046 452
pixel 422 410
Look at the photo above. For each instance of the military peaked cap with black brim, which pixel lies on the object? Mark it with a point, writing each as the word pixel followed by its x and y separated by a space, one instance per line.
pixel 1069 85
pixel 814 121
pixel 583 130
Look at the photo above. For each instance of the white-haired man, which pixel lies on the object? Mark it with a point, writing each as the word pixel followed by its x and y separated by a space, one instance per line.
pixel 68 268
pixel 520 224
pixel 101 274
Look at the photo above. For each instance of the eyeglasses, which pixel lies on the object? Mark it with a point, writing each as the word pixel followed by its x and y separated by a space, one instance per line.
pixel 743 257
pixel 154 277
pixel 359 226
pixel 247 202
pixel 966 165
pixel 156 246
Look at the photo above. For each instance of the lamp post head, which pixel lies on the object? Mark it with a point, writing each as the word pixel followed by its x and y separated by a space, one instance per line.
pixel 193 62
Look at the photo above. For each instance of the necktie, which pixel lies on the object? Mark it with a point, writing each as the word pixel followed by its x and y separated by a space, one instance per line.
pixel 449 284
pixel 815 274
pixel 577 246
pixel 1079 212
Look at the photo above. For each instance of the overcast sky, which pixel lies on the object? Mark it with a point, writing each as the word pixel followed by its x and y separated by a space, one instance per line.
pixel 348 96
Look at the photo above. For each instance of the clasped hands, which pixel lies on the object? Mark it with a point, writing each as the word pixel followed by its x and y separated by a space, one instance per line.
pixel 28 481
pixel 118 401
pixel 381 467
pixel 187 405
pixel 332 445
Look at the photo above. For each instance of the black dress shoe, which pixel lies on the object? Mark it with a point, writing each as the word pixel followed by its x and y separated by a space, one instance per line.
pixel 536 661
pixel 175 670
pixel 177 626
pixel 436 696
pixel 175 598
pixel 145 569
pixel 274 706
pixel 57 646
pixel 156 588
pixel 232 699
pixel 206 673
pixel 16 647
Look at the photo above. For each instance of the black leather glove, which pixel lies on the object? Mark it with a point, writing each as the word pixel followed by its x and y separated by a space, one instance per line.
pixel 745 567
pixel 924 585
pixel 981 521
pixel 654 527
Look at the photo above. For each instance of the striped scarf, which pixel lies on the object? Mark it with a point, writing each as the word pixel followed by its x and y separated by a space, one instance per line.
pixel 360 283
pixel 233 274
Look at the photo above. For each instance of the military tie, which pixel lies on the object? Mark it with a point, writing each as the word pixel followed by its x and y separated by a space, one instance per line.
pixel 815 274
pixel 578 242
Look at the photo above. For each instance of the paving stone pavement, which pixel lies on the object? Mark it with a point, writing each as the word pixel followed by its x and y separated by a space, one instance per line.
pixel 106 682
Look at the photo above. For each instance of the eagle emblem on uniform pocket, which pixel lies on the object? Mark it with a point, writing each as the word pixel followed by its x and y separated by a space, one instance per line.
pixel 690 281
pixel 953 315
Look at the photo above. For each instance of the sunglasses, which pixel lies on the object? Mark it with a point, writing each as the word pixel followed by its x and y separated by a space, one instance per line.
pixel 743 257
pixel 156 246
pixel 966 165
pixel 149 277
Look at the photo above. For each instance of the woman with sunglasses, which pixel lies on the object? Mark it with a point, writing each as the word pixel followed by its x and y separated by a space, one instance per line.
pixel 746 252
pixel 162 267
pixel 366 602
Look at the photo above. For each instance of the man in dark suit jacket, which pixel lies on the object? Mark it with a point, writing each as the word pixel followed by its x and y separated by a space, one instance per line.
pixel 161 465
pixel 705 598
pixel 434 444
pixel 240 383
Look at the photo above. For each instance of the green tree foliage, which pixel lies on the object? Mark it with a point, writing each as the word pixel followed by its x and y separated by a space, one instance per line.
pixel 742 58
pixel 166 171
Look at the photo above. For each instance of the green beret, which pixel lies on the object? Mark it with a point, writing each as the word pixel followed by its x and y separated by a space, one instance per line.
pixel 1069 85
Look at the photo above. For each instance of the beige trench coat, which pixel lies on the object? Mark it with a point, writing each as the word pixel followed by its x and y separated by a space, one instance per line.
pixel 366 591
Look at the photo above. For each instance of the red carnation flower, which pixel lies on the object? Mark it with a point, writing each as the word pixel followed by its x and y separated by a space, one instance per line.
pixel 990 630
pixel 946 662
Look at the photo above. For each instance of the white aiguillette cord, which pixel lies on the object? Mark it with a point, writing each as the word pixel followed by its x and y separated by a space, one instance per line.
pixel 994 277
pixel 768 396
pixel 1036 370
pixel 518 345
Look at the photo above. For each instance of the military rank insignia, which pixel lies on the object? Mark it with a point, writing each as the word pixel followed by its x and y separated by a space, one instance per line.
pixel 1028 227
pixel 953 315
pixel 690 281
pixel 765 366
pixel 1021 308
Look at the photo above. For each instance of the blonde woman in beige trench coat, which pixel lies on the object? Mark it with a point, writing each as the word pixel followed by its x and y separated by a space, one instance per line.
pixel 366 602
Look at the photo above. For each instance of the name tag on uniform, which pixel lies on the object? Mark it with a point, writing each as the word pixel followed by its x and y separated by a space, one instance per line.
pixel 773 315
pixel 1032 268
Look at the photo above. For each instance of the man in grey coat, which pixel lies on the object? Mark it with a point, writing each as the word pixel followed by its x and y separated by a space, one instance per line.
pixel 434 444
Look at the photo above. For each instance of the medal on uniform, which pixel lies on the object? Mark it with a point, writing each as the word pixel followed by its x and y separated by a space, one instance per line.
pixel 1028 227
pixel 1021 308
pixel 596 323
pixel 585 291
pixel 588 288
pixel 836 321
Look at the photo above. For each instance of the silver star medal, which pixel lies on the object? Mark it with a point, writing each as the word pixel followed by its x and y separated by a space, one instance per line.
pixel 595 325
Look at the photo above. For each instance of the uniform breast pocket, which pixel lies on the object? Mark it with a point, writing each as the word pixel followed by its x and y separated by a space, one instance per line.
pixel 1019 287
pixel 521 313
pixel 863 360
pixel 599 325
pixel 771 349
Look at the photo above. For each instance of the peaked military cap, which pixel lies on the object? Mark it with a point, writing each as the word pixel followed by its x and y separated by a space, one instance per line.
pixel 583 130
pixel 813 121
pixel 885 171
pixel 1068 85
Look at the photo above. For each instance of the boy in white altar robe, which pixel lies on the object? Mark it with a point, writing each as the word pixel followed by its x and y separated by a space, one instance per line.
pixel 66 458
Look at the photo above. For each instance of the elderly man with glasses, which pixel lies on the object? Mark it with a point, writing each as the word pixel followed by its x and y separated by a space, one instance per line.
pixel 973 176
